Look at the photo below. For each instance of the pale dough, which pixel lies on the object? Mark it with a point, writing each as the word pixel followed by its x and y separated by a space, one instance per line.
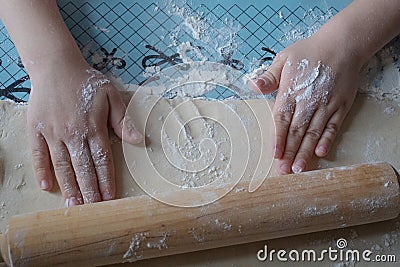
pixel 370 133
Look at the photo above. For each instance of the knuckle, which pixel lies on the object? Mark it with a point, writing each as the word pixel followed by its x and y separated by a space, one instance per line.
pixel 281 118
pixel 41 171
pixel 61 165
pixel 313 134
pixel 31 124
pixel 289 154
pixel 285 105
pixel 94 122
pixel 280 138
pixel 101 158
pixel 86 177
pixel 104 179
pixel 101 154
pixel 332 128
pixel 39 165
pixel 83 167
pixel 38 154
pixel 282 54
pixel 346 105
pixel 103 163
pixel 77 131
pixel 270 77
pixel 69 189
pixel 305 154
pixel 34 123
pixel 295 131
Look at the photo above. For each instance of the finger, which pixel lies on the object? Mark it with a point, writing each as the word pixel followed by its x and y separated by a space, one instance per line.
pixel 282 114
pixel 309 141
pixel 282 122
pixel 65 174
pixel 104 166
pixel 330 132
pixel 295 134
pixel 269 80
pixel 85 172
pixel 41 161
pixel 118 120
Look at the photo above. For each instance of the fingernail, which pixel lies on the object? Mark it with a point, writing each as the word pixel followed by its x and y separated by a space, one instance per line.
pixel 321 150
pixel 299 166
pixel 136 136
pixel 44 185
pixel 285 169
pixel 260 82
pixel 72 201
pixel 133 134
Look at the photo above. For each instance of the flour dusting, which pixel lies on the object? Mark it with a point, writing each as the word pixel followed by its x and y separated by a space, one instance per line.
pixel 380 77
pixel 89 89
pixel 310 88
pixel 134 250
pixel 161 244
pixel 226 226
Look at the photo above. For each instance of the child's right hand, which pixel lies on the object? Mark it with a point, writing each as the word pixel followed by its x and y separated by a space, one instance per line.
pixel 316 86
pixel 307 123
pixel 69 110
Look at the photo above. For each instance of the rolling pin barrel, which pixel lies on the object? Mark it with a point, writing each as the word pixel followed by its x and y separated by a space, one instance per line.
pixel 138 228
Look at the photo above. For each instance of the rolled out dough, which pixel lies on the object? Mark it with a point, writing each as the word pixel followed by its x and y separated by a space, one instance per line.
pixel 369 134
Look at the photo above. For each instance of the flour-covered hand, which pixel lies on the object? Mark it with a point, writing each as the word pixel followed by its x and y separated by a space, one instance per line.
pixel 69 110
pixel 317 78
pixel 316 88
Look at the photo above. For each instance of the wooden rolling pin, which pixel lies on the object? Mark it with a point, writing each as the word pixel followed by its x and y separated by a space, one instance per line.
pixel 138 228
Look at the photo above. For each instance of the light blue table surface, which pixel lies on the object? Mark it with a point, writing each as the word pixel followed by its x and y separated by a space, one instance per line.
pixel 127 26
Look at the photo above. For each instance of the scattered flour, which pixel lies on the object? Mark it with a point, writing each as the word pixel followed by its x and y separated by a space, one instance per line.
pixel 391 239
pixel 310 81
pixel 134 250
pixel 101 29
pixel 185 48
pixel 18 166
pixel 255 73
pixel 161 244
pixel 198 234
pixel 316 211
pixel 311 88
pixel 328 175
pixel 380 77
pixel 241 189
pixel 198 152
pixel 40 127
pixel 204 39
pixel 389 110
pixel 93 83
pixel 150 71
pixel 223 225
pixel 312 21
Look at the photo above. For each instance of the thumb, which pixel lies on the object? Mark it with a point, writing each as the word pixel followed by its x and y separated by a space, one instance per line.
pixel 122 124
pixel 268 82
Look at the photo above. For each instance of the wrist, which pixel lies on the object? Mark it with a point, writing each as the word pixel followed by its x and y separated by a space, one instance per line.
pixel 57 61
pixel 362 28
pixel 64 62
pixel 339 45
pixel 51 55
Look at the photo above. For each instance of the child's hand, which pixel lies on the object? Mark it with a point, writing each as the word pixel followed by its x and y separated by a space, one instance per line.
pixel 68 114
pixel 317 84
